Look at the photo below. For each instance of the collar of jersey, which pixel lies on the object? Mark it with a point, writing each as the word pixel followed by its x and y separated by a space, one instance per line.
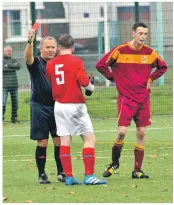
pixel 128 43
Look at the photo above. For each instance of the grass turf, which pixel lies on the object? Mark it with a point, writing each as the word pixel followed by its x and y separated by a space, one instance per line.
pixel 20 173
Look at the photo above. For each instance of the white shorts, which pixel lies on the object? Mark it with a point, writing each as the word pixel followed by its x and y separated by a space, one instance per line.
pixel 72 119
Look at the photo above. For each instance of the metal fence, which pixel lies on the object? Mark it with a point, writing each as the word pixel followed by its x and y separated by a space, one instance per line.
pixel 96 28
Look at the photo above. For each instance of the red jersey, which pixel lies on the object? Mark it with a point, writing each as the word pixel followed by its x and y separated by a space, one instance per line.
pixel 67 75
pixel 131 69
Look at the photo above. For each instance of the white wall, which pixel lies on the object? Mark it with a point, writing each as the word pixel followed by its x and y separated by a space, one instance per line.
pixel 81 27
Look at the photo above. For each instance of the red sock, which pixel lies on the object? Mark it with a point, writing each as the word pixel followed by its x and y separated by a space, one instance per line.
pixel 139 155
pixel 65 158
pixel 88 160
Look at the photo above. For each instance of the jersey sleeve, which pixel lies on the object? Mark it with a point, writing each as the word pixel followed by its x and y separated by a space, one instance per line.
pixel 31 68
pixel 105 62
pixel 81 75
pixel 157 62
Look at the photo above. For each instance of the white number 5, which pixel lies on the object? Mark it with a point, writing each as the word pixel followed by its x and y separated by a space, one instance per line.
pixel 60 79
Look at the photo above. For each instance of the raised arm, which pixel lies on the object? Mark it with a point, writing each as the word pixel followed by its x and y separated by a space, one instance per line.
pixel 28 53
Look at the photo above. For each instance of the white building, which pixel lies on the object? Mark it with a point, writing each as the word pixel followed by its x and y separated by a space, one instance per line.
pixel 82 17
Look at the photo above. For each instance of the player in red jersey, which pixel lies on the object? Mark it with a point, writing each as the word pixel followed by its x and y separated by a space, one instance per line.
pixel 67 74
pixel 130 66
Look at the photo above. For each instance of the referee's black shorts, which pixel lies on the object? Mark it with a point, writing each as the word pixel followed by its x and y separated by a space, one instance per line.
pixel 42 121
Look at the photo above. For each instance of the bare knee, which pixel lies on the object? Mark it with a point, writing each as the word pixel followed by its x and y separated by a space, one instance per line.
pixel 56 141
pixel 89 140
pixel 121 135
pixel 42 143
pixel 140 134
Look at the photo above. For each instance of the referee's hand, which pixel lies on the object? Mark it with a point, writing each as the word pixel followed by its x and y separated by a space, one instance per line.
pixel 31 35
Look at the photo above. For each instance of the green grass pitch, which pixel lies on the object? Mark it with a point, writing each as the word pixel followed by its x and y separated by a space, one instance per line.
pixel 20 174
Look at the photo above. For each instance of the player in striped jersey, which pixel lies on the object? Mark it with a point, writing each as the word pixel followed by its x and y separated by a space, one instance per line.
pixel 130 66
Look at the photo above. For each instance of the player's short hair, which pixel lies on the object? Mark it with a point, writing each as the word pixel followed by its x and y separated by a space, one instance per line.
pixel 48 38
pixel 138 24
pixel 66 41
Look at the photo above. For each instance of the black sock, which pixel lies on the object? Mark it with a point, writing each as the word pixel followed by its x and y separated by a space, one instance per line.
pixel 40 157
pixel 116 152
pixel 57 159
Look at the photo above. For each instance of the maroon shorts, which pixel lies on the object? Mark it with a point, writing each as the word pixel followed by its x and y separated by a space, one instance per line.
pixel 129 109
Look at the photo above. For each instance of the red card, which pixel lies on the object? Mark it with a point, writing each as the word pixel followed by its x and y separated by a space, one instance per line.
pixel 35 26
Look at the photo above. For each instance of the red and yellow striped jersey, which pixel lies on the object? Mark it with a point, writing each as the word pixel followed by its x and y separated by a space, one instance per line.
pixel 131 69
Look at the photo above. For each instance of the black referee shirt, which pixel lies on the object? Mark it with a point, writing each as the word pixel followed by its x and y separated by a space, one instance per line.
pixel 40 86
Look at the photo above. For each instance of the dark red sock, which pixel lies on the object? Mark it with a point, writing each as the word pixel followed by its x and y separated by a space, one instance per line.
pixel 139 155
pixel 65 158
pixel 89 160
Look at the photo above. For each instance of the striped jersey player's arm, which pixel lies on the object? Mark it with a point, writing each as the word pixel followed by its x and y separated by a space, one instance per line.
pixel 114 54
pixel 113 57
pixel 103 67
pixel 157 62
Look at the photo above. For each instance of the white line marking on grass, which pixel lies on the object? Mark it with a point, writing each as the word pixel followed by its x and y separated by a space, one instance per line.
pixel 131 142
pixel 16 136
pixel 133 129
pixel 100 131
pixel 133 156
pixel 20 156
pixel 76 158
pixel 160 148
pixel 16 128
